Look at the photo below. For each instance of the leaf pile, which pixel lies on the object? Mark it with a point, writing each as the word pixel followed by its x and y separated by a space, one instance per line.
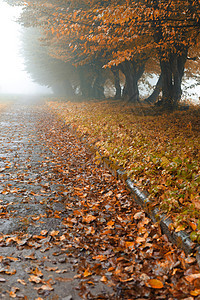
pixel 110 239
pixel 160 152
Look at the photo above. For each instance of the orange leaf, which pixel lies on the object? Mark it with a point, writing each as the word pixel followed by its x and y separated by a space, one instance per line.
pixel 35 279
pixel 11 272
pixel 100 257
pixel 193 226
pixel 31 256
pixel 87 273
pixel 195 293
pixel 89 218
pixel 13 258
pixel 104 279
pixel 191 277
pixel 54 232
pixel 37 272
pixel 12 295
pixel 155 283
pixel 43 232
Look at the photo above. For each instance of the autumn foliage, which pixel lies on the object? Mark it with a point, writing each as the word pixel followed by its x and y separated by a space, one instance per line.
pixel 160 152
pixel 122 35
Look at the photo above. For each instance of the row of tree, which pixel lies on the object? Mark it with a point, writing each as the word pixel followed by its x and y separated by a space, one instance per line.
pixel 90 42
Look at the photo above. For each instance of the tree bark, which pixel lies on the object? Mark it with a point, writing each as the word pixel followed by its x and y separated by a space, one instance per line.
pixel 172 71
pixel 118 89
pixel 98 87
pixel 85 83
pixel 63 89
pixel 156 92
pixel 132 71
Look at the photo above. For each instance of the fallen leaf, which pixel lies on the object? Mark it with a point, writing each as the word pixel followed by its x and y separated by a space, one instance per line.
pixel 12 258
pixel 89 218
pixel 11 272
pixel 43 232
pixel 63 279
pixel 37 272
pixel 195 293
pixel 191 277
pixel 21 281
pixel 35 279
pixel 180 228
pixel 87 273
pixel 54 232
pixel 155 283
pixel 100 257
pixel 104 279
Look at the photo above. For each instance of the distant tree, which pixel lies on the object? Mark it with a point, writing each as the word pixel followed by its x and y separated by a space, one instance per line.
pixel 45 70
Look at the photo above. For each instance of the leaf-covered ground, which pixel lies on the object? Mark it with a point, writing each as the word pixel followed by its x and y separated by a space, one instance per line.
pixel 69 230
pixel 160 151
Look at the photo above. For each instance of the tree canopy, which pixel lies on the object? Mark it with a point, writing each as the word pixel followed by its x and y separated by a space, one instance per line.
pixel 122 35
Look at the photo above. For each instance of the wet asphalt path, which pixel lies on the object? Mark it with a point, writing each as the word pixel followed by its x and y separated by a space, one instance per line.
pixel 29 196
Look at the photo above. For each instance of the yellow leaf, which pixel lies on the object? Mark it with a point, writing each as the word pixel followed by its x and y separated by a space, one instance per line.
pixel 179 228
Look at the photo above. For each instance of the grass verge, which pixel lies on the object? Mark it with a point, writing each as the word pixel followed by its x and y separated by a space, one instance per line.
pixel 161 152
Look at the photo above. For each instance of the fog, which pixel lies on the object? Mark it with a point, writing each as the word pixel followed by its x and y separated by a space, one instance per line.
pixel 13 78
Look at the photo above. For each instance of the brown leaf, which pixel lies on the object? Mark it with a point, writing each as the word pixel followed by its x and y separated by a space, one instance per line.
pixel 21 281
pixel 63 279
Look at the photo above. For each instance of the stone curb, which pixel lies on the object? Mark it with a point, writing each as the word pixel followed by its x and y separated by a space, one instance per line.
pixel 181 239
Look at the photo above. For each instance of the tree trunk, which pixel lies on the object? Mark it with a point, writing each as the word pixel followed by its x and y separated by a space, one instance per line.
pixel 98 87
pixel 132 71
pixel 131 86
pixel 85 83
pixel 118 93
pixel 156 92
pixel 172 71
pixel 63 89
